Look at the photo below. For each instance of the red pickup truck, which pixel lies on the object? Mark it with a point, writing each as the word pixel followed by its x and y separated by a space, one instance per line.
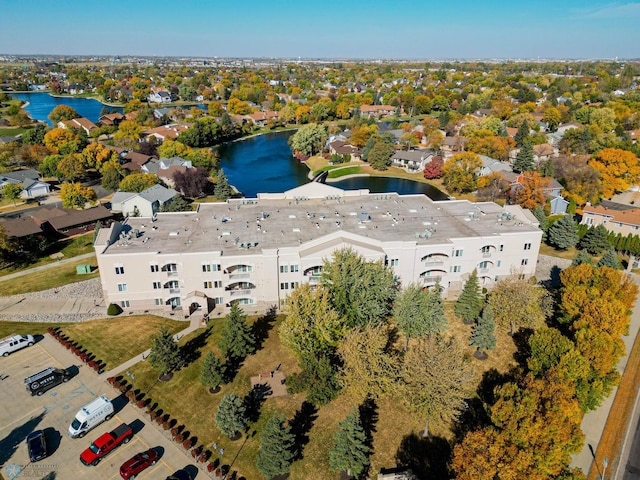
pixel 105 444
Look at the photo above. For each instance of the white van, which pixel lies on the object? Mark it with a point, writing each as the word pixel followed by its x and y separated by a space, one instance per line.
pixel 14 342
pixel 92 414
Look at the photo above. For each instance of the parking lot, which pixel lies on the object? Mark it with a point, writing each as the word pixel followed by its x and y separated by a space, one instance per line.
pixel 53 412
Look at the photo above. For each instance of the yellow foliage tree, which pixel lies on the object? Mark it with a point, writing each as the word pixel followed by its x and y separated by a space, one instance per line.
pixel 618 169
pixel 76 195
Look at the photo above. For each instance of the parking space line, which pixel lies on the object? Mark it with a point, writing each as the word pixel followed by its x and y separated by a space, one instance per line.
pixel 30 415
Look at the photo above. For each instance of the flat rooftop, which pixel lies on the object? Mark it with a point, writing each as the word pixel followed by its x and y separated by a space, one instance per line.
pixel 246 226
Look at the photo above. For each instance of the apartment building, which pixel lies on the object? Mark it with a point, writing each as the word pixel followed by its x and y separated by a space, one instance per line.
pixel 256 251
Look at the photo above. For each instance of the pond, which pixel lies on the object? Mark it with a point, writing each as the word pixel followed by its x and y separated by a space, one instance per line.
pixel 41 104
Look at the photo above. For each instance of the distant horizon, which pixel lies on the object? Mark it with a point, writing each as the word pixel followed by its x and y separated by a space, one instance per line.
pixel 327 29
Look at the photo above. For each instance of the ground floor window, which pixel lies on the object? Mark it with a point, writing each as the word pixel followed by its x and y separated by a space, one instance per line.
pixel 124 303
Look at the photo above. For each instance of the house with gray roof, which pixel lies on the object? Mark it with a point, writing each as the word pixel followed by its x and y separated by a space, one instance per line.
pixel 32 186
pixel 145 203
pixel 491 165
pixel 412 160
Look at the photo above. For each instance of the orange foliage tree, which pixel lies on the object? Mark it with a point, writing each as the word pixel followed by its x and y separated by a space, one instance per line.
pixel 618 169
pixel 531 194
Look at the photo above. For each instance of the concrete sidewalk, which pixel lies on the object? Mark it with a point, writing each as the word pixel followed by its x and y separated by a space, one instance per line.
pixel 594 422
pixel 17 305
pixel 46 267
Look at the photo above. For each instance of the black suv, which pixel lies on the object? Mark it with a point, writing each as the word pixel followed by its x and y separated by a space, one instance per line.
pixel 37 445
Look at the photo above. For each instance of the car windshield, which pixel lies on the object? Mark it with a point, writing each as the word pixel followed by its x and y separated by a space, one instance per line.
pixel 75 424
pixel 94 448
pixel 36 444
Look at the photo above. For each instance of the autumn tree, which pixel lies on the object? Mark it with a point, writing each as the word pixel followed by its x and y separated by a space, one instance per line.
pixel 312 327
pixel 138 182
pixel 128 134
pixel 517 303
pixel 360 291
pixel 192 182
pixel 72 166
pixel 35 135
pixel 563 234
pixel 618 169
pixel 436 380
pixel 419 312
pixel 237 339
pixel 350 451
pixel 76 195
pixel 12 191
pixel 95 154
pixel 380 156
pixel 459 173
pixel 433 169
pixel 112 174
pixel 470 302
pixel 552 117
pixel 49 166
pixel 63 141
pixel 276 447
pixel 62 112
pixel 483 336
pixel 309 139
pixel 582 182
pixel 369 369
pixel 531 194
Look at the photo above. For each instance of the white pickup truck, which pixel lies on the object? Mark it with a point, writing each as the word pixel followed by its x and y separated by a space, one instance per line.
pixel 14 342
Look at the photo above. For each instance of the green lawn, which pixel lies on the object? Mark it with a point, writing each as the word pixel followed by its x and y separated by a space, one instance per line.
pixel 195 408
pixel 69 248
pixel 12 131
pixel 342 172
pixel 23 328
pixel 116 340
pixel 48 278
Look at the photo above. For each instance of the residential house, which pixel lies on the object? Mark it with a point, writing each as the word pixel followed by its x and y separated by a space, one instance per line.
pixel 166 168
pixel 111 119
pixel 62 222
pixel 6 139
pixel 161 112
pixel 159 95
pixel 133 161
pixel 221 255
pixel 544 152
pixel 377 110
pixel 492 165
pixel 614 217
pixel 32 186
pixel 412 160
pixel 260 119
pixel 21 228
pixel 78 123
pixel 338 147
pixel 452 145
pixel 567 126
pixel 163 132
pixel 75 89
pixel 144 204
pixel 552 191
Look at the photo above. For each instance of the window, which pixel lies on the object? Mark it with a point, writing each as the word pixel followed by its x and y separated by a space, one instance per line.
pixel 294 268
pixel 218 300
pixel 157 285
pixel 524 261
pixel 245 268
pixel 284 268
pixel 456 268
pixel 124 303
pixel 217 284
pixel 501 247
pixel 154 268
pixel 498 263
pixel 394 262
pixel 284 286
pixel 122 287
pixel 215 267
pixel 527 246
pixel 486 249
pixel 206 268
pixel 484 265
pixel 208 284
pixel 158 301
pixel 457 253
pixel 294 285
pixel 245 301
pixel 119 270
pixel 589 221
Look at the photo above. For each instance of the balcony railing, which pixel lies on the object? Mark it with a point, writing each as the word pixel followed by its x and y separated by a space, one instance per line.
pixel 174 290
pixel 486 254
pixel 314 279
pixel 483 270
pixel 434 263
pixel 239 276
pixel 432 279
pixel 172 273
pixel 239 292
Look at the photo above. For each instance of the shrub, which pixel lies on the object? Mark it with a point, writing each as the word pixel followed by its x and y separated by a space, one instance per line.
pixel 140 404
pixel 210 467
pixel 114 309
pixel 111 380
pixel 166 425
pixel 186 444
pixel 204 456
pixel 159 419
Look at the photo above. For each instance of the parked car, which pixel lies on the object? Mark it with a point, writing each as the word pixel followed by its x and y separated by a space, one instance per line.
pixel 37 445
pixel 14 342
pixel 92 414
pixel 179 475
pixel 48 378
pixel 106 443
pixel 138 463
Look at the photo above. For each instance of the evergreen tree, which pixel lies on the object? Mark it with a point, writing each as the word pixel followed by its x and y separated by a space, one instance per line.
pixel 367 148
pixel 319 379
pixel 165 354
pixel 484 333
pixel 212 371
pixel 276 447
pixel 564 233
pixel 222 189
pixel 469 304
pixel 236 338
pixel 610 259
pixel 582 257
pixel 595 240
pixel 538 212
pixel 350 452
pixel 522 133
pixel 231 417
pixel 547 169
pixel 524 159
pixel 418 313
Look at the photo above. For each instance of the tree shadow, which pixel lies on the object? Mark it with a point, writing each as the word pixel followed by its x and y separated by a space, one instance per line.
pixel 254 399
pixel 190 351
pixel 427 457
pixel 523 351
pixel 231 369
pixel 15 438
pixel 368 411
pixel 301 424
pixel 262 326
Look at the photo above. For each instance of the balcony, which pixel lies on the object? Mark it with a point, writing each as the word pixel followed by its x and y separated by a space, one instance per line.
pixel 432 279
pixel 486 254
pixel 483 270
pixel 172 273
pixel 239 276
pixel 174 290
pixel 240 292
pixel 433 263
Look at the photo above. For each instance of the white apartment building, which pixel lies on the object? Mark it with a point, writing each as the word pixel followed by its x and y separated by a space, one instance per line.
pixel 256 251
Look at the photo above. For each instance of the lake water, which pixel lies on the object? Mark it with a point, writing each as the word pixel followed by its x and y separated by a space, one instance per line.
pixel 264 164
pixel 41 105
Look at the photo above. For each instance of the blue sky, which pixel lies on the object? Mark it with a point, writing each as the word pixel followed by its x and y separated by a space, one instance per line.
pixel 425 29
